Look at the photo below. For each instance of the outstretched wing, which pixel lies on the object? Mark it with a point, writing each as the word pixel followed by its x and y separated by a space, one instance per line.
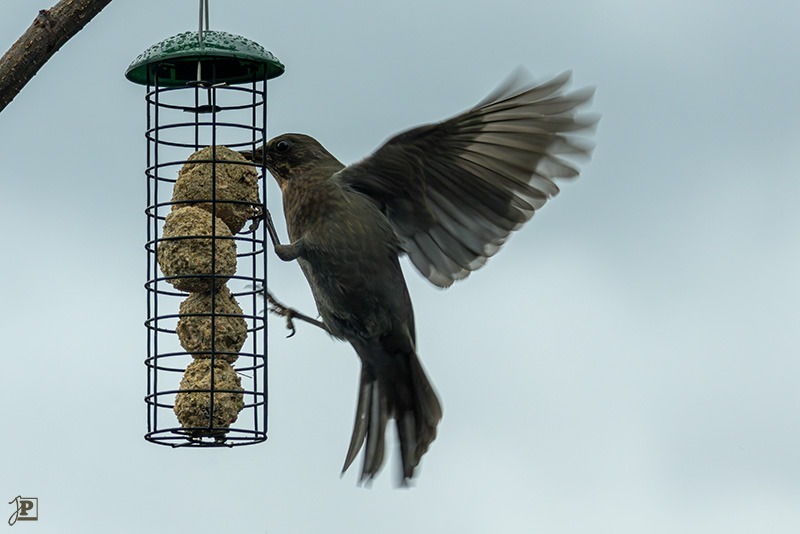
pixel 455 190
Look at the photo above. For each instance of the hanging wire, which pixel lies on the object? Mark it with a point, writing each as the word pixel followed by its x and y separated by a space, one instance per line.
pixel 204 21
pixel 203 5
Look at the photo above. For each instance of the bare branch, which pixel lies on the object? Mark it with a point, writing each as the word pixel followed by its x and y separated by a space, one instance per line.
pixel 50 30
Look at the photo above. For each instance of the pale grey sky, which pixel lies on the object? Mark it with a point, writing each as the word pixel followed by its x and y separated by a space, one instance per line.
pixel 627 363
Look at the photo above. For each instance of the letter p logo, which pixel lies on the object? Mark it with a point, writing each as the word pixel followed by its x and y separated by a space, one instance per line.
pixel 27 509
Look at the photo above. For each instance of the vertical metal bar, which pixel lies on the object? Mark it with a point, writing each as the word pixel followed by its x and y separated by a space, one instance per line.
pixel 197 113
pixel 156 171
pixel 213 95
pixel 265 374
pixel 149 277
pixel 254 279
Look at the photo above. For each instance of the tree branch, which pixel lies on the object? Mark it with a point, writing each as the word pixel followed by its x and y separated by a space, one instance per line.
pixel 50 30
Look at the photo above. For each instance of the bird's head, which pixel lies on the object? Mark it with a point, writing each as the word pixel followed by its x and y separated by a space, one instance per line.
pixel 296 156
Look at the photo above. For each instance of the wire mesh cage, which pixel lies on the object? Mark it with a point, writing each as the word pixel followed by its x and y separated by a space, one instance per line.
pixel 206 262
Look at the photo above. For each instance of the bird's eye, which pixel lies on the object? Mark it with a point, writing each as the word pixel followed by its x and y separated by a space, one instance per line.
pixel 283 146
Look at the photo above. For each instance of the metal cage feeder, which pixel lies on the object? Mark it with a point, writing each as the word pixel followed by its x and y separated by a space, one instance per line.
pixel 207 330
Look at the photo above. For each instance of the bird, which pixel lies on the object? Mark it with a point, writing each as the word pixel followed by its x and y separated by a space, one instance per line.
pixel 447 195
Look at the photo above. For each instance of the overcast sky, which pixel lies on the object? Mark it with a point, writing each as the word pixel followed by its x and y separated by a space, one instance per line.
pixel 628 362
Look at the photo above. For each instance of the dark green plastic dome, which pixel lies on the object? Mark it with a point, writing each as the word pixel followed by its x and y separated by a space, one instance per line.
pixel 236 60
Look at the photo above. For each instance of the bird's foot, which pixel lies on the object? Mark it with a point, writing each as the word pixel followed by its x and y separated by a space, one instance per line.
pixel 291 314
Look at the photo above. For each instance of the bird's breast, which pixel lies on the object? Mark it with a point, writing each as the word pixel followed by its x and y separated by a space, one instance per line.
pixel 349 258
pixel 306 207
pixel 326 215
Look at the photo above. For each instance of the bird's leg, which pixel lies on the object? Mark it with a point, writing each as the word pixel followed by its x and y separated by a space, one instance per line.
pixel 285 252
pixel 291 314
pixel 273 234
pixel 290 252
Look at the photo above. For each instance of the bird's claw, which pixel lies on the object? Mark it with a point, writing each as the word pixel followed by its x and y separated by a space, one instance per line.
pixel 291 314
pixel 288 313
pixel 255 222
pixel 290 326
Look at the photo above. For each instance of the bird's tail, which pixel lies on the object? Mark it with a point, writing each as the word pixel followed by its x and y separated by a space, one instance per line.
pixel 393 386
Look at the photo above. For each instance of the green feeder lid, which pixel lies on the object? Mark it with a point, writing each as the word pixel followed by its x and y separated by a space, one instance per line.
pixel 236 60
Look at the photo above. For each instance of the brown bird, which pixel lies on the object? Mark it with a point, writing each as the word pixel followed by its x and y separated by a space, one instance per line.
pixel 448 195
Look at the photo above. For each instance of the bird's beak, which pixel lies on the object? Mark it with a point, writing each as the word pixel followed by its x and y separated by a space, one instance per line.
pixel 256 157
pixel 253 155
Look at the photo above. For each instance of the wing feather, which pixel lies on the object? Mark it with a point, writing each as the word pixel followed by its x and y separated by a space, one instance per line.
pixel 455 190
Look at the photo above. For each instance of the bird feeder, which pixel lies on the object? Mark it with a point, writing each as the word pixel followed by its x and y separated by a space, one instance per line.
pixel 206 264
